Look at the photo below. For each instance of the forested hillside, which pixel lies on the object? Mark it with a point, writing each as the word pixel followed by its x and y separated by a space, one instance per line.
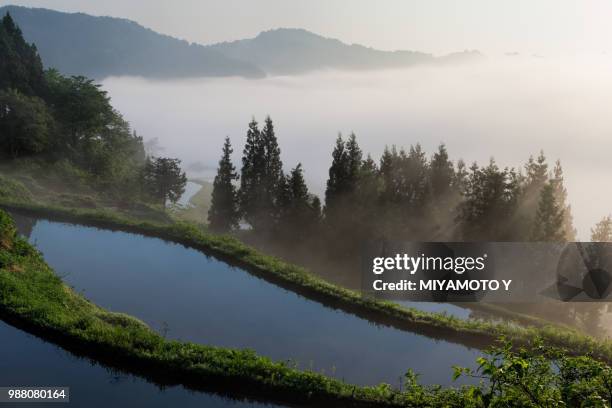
pixel 54 124
pixel 97 47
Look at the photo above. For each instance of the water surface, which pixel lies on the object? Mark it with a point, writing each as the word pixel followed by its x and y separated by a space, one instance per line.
pixel 186 295
pixel 26 360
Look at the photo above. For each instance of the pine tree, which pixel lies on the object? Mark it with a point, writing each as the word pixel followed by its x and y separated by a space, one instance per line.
pixel 223 213
pixel 354 157
pixel 548 225
pixel 602 232
pixel 561 197
pixel 20 66
pixel 251 174
pixel 273 168
pixel 338 174
pixel 490 201
pixel 441 174
pixel 300 211
pixel 537 172
pixel 260 181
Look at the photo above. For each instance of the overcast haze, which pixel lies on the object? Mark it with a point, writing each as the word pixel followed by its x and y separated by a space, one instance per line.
pixel 509 107
pixel 543 27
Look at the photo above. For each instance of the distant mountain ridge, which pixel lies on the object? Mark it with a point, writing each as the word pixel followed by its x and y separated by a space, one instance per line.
pixel 77 43
pixel 286 51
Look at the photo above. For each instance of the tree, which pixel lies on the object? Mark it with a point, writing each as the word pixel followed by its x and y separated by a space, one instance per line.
pixel 164 179
pixel 81 108
pixel 489 205
pixel 20 65
pixel 548 225
pixel 441 174
pixel 537 172
pixel 602 232
pixel 25 124
pixel 561 197
pixel 338 174
pixel 300 211
pixel 223 213
pixel 251 173
pixel 260 179
pixel 272 174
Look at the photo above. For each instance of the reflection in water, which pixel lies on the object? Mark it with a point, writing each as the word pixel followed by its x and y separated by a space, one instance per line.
pixel 26 360
pixel 25 225
pixel 185 295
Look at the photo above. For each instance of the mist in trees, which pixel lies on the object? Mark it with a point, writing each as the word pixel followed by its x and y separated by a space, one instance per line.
pixel 406 195
pixel 223 213
pixel 69 121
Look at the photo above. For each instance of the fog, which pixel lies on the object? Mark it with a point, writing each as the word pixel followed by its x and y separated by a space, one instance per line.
pixel 508 108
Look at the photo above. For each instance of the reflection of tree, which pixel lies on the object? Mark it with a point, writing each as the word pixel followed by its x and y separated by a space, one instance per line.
pixel 25 225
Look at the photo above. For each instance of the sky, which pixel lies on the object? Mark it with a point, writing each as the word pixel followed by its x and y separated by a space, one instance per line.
pixel 541 27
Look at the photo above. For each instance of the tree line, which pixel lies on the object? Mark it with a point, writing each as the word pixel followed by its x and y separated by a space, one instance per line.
pixel 405 194
pixel 46 115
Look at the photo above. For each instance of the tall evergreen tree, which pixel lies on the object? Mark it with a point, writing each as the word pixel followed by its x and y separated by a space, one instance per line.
pixel 20 65
pixel 300 211
pixel 548 225
pixel 223 213
pixel 261 177
pixel 490 202
pixel 561 197
pixel 602 232
pixel 273 168
pixel 338 174
pixel 441 174
pixel 252 173
pixel 537 172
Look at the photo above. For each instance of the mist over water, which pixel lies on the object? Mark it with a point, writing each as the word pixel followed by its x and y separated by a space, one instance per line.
pixel 508 108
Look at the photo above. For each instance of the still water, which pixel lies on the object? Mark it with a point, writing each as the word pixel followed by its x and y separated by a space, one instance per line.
pixel 26 360
pixel 183 294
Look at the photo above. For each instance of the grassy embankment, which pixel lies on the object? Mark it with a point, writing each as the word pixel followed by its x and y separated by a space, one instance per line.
pixel 199 203
pixel 472 333
pixel 34 298
pixel 56 192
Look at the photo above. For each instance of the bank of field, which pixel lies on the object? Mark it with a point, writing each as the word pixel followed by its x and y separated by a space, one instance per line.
pixel 475 333
pixel 34 298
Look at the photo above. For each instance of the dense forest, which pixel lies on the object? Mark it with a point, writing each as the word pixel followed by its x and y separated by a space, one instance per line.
pixel 69 122
pixel 403 195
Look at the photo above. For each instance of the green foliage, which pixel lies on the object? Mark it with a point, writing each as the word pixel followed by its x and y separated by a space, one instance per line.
pixel 260 178
pixel 223 213
pixel 26 126
pixel 540 376
pixel 548 225
pixel 602 232
pixel 300 213
pixel 13 190
pixel 164 179
pixel 45 114
pixel 20 64
pixel 533 376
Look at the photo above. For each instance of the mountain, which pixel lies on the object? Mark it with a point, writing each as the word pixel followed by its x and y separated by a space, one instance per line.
pixel 76 43
pixel 287 51
pixel 98 47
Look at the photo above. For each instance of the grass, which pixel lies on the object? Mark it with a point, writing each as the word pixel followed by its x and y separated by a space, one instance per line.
pixel 197 211
pixel 32 296
pixel 470 332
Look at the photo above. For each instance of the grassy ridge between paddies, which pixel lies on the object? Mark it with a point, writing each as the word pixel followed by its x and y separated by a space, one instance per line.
pixel 33 297
pixel 474 333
